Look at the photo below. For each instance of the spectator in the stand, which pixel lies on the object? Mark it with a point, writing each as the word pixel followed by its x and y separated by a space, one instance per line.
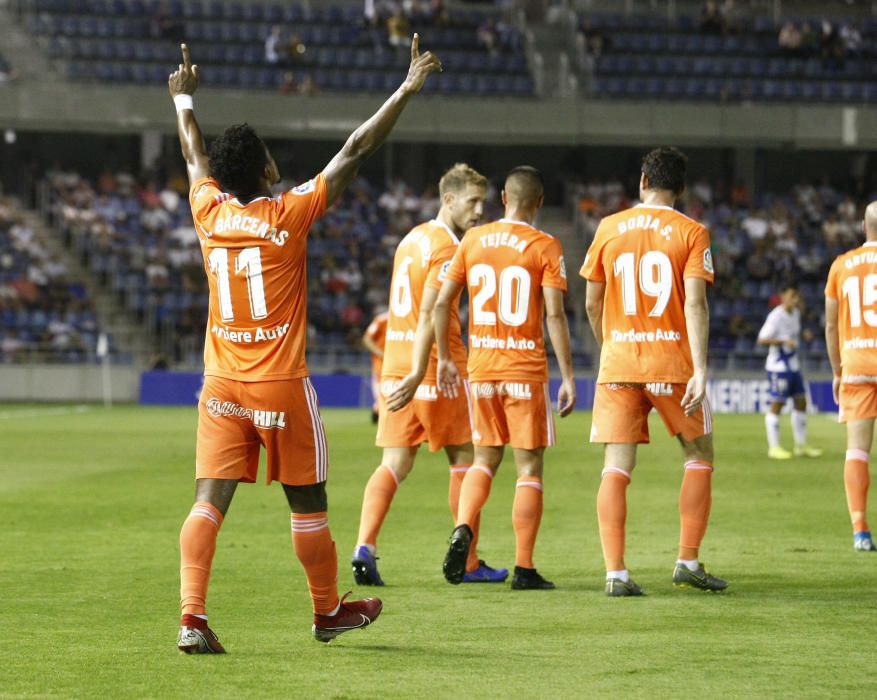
pixel 165 25
pixel 597 41
pixel 758 265
pixel 13 347
pixel 790 38
pixel 486 35
pixel 831 46
pixel 398 29
pixel 273 50
pixel 851 38
pixel 755 225
pixel 711 19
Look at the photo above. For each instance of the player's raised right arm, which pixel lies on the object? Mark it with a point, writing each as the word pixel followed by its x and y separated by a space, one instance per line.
pixel 182 84
pixel 341 170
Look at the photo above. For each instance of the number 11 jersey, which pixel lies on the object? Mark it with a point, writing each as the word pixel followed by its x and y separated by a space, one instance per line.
pixel 256 264
pixel 643 255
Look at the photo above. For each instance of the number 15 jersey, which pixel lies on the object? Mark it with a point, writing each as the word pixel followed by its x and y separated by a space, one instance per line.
pixel 256 264
pixel 643 255
pixel 505 264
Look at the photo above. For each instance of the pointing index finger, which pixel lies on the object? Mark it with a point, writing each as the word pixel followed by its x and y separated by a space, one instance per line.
pixel 415 46
pixel 187 61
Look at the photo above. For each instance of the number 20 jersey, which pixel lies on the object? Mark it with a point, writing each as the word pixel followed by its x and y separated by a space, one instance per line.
pixel 256 264
pixel 505 265
pixel 643 255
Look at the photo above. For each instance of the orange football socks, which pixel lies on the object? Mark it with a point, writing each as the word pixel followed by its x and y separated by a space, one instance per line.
pixel 611 515
pixel 695 499
pixel 473 494
pixel 526 516
pixel 197 547
pixel 376 500
pixel 315 550
pixel 458 473
pixel 856 482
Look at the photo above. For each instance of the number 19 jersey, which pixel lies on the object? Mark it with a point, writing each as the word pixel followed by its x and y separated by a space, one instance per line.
pixel 505 265
pixel 256 264
pixel 643 255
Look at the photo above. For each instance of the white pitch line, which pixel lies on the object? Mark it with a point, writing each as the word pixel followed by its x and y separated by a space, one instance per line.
pixel 36 412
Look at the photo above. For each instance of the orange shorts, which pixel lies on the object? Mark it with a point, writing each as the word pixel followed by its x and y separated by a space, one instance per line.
pixel 512 413
pixel 235 419
pixel 857 402
pixel 621 412
pixel 430 417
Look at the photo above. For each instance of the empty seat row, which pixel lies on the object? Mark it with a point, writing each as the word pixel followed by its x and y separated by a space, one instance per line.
pixel 678 43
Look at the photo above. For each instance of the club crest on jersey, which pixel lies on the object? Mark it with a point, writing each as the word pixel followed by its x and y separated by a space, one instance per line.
pixel 305 187
pixel 261 419
pixel 708 261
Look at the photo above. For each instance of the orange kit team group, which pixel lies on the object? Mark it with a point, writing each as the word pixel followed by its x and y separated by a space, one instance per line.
pixel 647 272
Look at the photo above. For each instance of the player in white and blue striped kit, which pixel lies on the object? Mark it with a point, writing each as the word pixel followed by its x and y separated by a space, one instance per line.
pixel 781 332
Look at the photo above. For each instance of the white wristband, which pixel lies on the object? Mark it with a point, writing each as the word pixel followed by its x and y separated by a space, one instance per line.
pixel 183 102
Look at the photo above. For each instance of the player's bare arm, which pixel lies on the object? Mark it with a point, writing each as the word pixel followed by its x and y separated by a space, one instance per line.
pixel 184 81
pixel 342 169
pixel 423 340
pixel 594 307
pixel 697 321
pixel 447 374
pixel 370 345
pixel 832 344
pixel 558 331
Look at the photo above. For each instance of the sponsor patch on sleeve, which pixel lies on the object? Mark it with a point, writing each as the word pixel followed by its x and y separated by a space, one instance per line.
pixel 443 271
pixel 708 261
pixel 306 187
pixel 562 267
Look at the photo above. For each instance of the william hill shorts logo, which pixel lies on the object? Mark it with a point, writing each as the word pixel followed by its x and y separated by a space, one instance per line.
pixel 425 392
pixel 488 390
pixel 261 419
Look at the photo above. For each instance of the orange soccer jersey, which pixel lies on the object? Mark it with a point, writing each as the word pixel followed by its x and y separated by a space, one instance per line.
pixel 421 261
pixel 377 331
pixel 643 255
pixel 254 255
pixel 506 264
pixel 852 281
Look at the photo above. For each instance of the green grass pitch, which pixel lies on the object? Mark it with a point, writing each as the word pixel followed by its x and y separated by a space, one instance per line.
pixel 91 503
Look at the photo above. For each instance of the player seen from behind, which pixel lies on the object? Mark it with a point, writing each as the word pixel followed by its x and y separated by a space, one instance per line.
pixel 851 339
pixel 647 269
pixel 516 280
pixel 256 390
pixel 417 411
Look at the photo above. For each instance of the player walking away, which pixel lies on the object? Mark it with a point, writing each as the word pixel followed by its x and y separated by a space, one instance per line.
pixel 373 340
pixel 256 389
pixel 647 270
pixel 515 275
pixel 781 332
pixel 851 336
pixel 417 411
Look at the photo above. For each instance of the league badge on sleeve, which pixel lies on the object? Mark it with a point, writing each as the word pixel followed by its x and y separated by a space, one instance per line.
pixel 443 272
pixel 305 188
pixel 562 267
pixel 708 261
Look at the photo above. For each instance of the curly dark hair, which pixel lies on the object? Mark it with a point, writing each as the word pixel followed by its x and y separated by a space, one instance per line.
pixel 237 160
pixel 665 168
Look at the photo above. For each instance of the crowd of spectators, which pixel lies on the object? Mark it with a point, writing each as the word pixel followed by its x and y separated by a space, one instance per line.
pixel 831 42
pixel 758 244
pixel 45 314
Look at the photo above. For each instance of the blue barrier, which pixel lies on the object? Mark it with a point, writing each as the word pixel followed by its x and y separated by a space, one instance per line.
pixel 353 391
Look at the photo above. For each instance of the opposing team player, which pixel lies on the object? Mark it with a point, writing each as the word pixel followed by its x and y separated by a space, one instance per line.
pixel 373 340
pixel 851 338
pixel 647 269
pixel 417 411
pixel 781 332
pixel 515 275
pixel 256 389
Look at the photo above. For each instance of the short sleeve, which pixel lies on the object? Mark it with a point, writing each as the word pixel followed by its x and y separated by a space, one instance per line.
pixel 456 269
pixel 553 266
pixel 700 257
pixel 439 263
pixel 203 196
pixel 769 329
pixel 592 268
pixel 303 205
pixel 831 283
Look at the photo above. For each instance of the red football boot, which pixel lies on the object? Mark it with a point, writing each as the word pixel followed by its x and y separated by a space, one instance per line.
pixel 197 638
pixel 350 616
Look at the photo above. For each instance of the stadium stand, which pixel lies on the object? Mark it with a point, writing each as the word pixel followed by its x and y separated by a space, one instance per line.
pixel 45 315
pixel 326 47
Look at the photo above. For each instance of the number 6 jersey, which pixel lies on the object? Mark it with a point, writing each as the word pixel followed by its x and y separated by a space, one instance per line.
pixel 505 265
pixel 256 264
pixel 643 255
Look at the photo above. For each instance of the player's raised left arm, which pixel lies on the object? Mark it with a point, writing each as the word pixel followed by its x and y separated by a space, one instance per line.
pixel 697 321
pixel 832 343
pixel 182 84
pixel 341 170
pixel 558 331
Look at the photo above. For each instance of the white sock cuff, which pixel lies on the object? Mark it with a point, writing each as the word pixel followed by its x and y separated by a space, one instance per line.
pixel 860 455
pixel 615 470
pixel 482 468
pixel 308 524
pixel 199 510
pixel 532 484
pixel 395 478
pixel 698 465
pixel 459 469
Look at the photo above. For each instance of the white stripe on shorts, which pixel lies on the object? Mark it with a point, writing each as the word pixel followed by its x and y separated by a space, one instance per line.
pixel 319 433
pixel 469 406
pixel 549 418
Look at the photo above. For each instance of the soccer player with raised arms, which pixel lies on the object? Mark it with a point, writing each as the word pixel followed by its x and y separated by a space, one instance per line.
pixel 417 411
pixel 516 279
pixel 851 339
pixel 647 270
pixel 256 388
